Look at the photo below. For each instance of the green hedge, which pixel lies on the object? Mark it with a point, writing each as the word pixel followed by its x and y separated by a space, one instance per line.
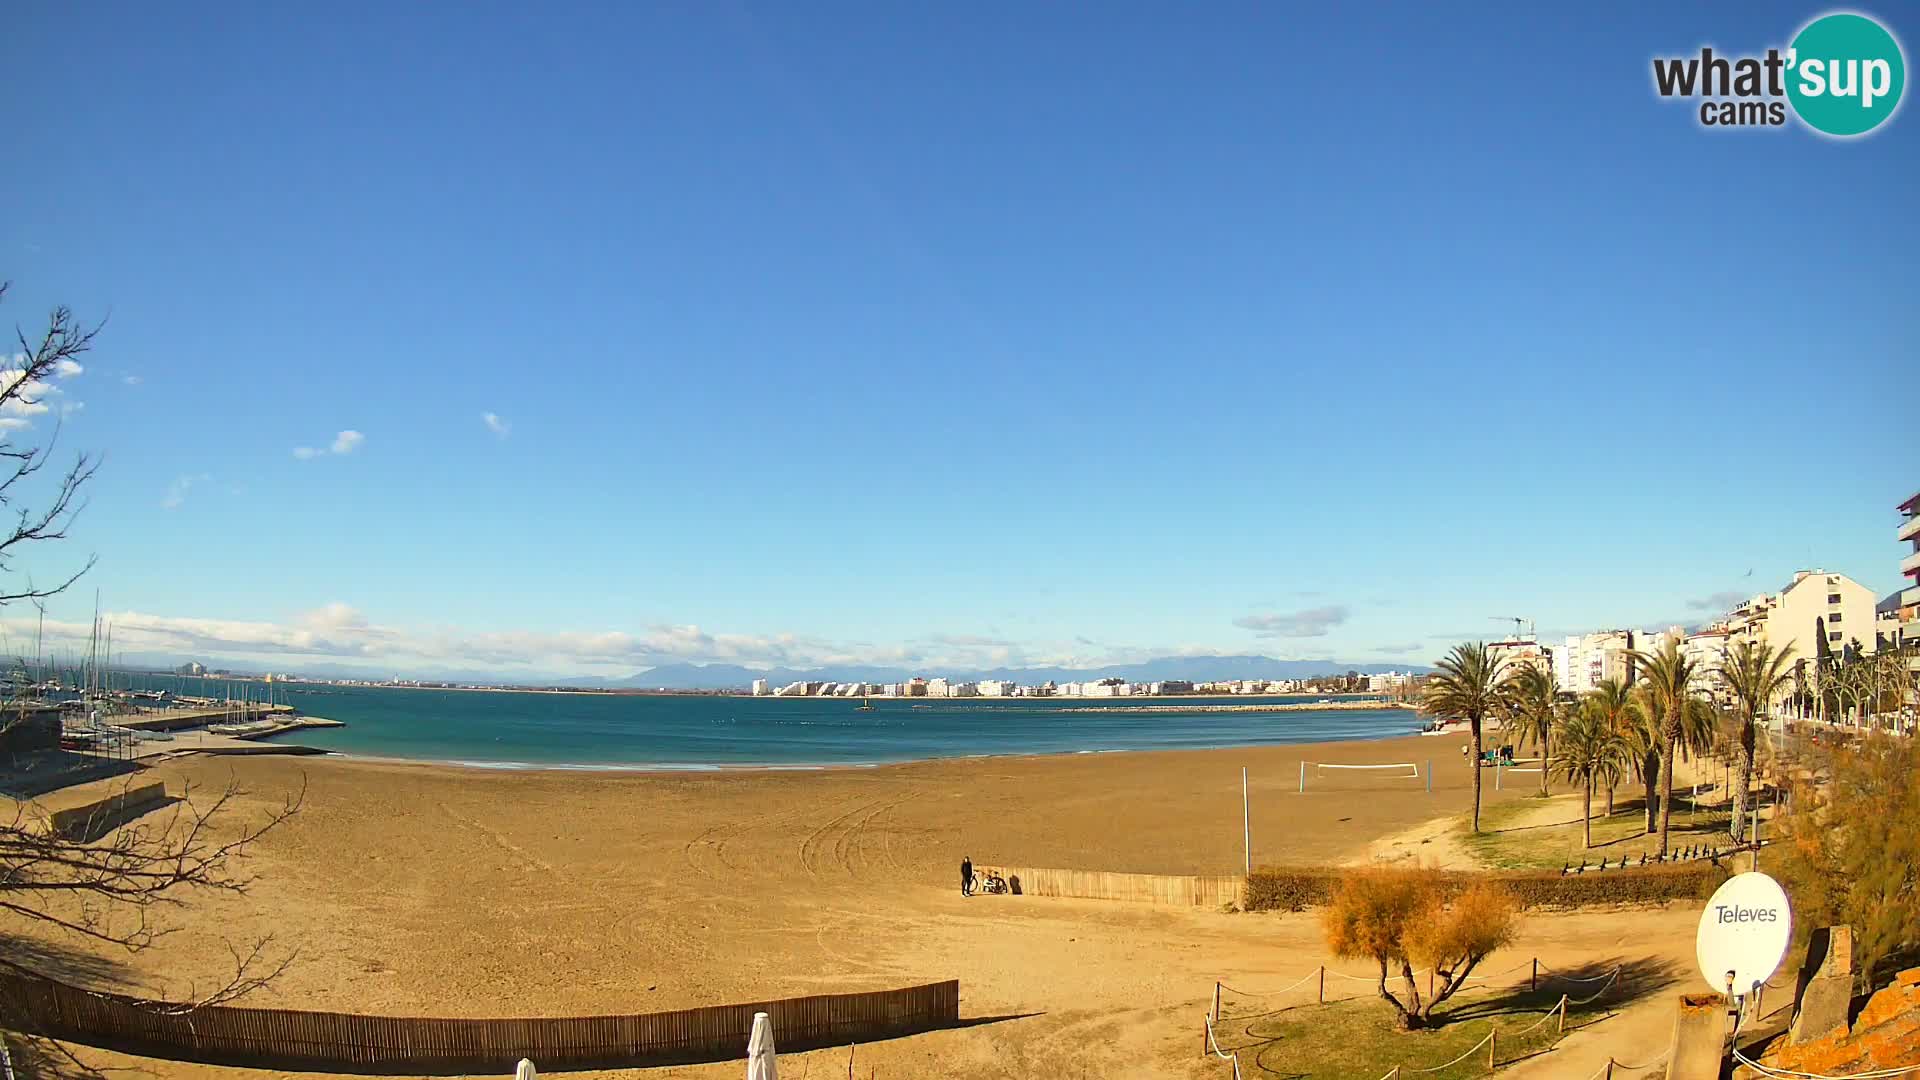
pixel 1294 889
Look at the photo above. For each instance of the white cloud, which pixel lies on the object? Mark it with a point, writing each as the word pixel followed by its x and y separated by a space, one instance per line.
pixel 131 380
pixel 1313 622
pixel 344 443
pixel 29 396
pixel 495 424
pixel 339 632
pixel 177 491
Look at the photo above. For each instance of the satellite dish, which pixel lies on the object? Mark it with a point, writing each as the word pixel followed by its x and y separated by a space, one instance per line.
pixel 1744 932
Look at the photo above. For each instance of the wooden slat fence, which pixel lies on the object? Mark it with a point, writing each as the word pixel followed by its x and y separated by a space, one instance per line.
pixel 1175 889
pixel 348 1043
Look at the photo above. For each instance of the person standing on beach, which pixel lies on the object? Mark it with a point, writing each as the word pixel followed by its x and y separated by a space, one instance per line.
pixel 966 876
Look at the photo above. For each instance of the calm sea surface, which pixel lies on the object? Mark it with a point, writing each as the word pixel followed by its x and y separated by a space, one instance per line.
pixel 606 731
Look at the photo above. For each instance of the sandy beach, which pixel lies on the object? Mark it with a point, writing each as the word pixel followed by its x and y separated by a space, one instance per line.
pixel 433 890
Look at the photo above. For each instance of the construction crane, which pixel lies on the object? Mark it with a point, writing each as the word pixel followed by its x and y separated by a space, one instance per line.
pixel 1517 622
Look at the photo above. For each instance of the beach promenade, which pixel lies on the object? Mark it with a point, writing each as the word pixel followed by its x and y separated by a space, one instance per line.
pixel 433 890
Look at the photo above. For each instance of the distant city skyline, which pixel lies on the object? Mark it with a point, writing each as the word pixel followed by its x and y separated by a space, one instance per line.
pixel 618 338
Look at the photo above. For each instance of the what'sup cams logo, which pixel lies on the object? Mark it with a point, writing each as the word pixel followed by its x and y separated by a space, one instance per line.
pixel 1843 75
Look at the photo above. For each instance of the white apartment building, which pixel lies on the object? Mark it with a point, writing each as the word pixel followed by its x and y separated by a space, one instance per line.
pixel 759 688
pixel 1390 680
pixel 938 688
pixel 1815 613
pixel 1909 610
pixel 1510 654
pixel 1583 662
pixel 792 689
pixel 995 688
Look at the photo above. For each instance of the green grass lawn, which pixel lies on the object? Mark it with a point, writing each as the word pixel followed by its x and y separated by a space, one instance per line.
pixel 1361 1038
pixel 1504 845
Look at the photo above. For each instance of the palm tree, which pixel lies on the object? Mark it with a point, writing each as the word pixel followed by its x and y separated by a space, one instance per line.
pixel 1668 675
pixel 1613 702
pixel 1591 752
pixel 1466 686
pixel 1531 700
pixel 1755 673
pixel 1644 741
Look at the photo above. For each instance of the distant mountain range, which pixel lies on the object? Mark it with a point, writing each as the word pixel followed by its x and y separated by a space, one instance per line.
pixel 1195 668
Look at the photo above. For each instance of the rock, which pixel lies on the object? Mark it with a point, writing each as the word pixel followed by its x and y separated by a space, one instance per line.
pixel 1825 986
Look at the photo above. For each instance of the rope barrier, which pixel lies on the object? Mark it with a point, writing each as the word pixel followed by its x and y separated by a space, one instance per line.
pixel 1559 1009
pixel 1461 1058
pixel 1277 993
pixel 1213 1045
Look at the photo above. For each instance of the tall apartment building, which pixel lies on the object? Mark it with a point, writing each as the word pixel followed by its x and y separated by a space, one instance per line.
pixel 1910 569
pixel 759 688
pixel 1909 609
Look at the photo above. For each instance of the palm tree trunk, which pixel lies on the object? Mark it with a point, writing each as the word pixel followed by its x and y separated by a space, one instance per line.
pixel 1546 760
pixel 1666 781
pixel 1609 800
pixel 1586 813
pixel 1742 776
pixel 1649 775
pixel 1476 773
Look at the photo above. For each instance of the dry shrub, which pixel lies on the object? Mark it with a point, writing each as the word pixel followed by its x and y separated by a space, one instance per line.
pixel 1851 852
pixel 1406 918
pixel 1298 888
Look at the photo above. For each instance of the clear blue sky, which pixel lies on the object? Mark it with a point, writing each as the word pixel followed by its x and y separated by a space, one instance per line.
pixel 997 334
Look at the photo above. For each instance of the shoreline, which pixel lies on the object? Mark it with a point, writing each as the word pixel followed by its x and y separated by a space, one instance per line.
pixel 726 769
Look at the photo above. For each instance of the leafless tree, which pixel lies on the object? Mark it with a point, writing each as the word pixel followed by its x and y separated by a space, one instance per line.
pixel 23 385
pixel 106 889
pixel 101 886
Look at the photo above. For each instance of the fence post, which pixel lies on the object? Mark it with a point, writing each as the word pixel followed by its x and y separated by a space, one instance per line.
pixel 1534 985
pixel 1321 997
pixel 1303 777
pixel 1429 791
pixel 1493 1038
pixel 1215 1014
pixel 1609 1069
pixel 1561 1026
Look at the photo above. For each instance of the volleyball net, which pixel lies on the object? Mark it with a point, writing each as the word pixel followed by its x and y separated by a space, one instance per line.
pixel 1343 776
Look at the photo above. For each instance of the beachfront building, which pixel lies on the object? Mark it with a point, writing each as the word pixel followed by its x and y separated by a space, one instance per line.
pixel 1522 650
pixel 995 688
pixel 1816 614
pixel 759 688
pixel 792 689
pixel 1584 661
pixel 1386 681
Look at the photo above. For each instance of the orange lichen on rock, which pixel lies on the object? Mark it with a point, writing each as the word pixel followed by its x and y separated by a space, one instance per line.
pixel 1886 1034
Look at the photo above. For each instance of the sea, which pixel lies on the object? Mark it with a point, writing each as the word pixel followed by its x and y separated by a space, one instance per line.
pixel 694 732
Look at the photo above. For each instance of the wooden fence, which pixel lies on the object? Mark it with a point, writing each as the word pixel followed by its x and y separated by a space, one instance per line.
pixel 341 1042
pixel 93 820
pixel 1175 889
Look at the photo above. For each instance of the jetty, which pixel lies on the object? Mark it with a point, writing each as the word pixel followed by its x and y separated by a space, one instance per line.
pixel 201 716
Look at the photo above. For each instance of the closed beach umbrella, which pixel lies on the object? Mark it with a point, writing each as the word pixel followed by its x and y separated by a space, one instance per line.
pixel 760 1050
pixel 525 1071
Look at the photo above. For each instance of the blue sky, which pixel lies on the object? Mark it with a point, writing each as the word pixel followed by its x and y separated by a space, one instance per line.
pixel 997 334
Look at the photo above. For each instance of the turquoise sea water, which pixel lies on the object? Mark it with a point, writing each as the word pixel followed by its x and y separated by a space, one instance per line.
pixel 608 731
